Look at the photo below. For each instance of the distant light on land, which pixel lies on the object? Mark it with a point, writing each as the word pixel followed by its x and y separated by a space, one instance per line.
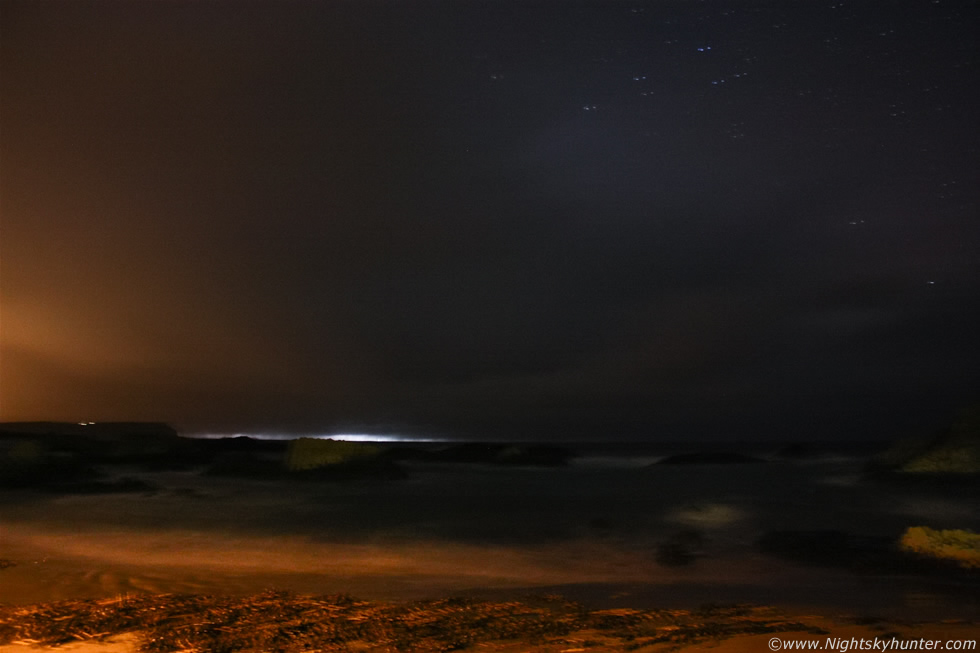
pixel 371 437
pixel 347 437
pixel 360 437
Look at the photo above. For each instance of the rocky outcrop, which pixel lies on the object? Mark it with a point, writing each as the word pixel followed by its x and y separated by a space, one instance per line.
pixel 955 450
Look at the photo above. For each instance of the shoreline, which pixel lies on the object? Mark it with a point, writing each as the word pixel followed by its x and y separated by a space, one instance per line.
pixel 53 564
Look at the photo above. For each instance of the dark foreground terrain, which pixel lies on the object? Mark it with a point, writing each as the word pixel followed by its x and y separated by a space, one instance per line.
pixel 243 544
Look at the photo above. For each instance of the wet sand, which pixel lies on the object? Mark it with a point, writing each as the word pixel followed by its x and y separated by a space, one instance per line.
pixel 828 633
pixel 129 643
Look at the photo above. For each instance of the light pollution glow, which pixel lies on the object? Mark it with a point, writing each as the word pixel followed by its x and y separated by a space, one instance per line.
pixel 347 437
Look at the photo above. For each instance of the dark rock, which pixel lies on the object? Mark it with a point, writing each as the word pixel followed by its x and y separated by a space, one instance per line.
pixel 92 430
pixel 264 467
pixel 709 458
pixel 405 453
pixel 469 452
pixel 951 451
pixel 245 443
pixel 246 465
pixel 499 454
pixel 826 547
pixel 860 553
pixel 153 445
pixel 363 469
pixel 44 471
pixel 535 455
pixel 681 548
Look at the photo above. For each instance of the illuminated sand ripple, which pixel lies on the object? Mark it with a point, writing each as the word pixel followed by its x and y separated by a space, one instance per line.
pixel 276 621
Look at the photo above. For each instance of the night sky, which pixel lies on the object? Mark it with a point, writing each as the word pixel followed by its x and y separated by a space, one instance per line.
pixel 601 220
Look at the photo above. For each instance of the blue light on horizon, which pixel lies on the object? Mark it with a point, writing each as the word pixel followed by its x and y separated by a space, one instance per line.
pixel 347 437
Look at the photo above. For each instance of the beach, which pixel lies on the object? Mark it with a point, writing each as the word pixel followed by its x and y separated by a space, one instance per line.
pixel 607 532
